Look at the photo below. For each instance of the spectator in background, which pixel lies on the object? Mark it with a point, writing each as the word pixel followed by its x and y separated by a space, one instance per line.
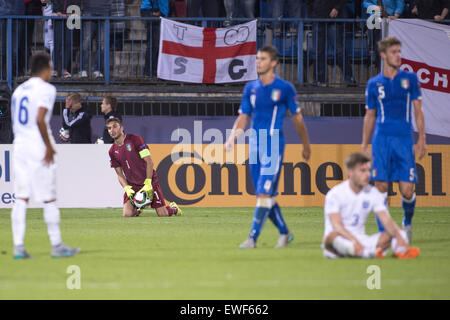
pixel 388 8
pixel 13 8
pixel 209 9
pixel 117 26
pixel 109 109
pixel 334 33
pixel 48 28
pixel 293 8
pixel 76 121
pixel 64 39
pixel 32 8
pixel 430 9
pixel 94 29
pixel 156 9
pixel 232 7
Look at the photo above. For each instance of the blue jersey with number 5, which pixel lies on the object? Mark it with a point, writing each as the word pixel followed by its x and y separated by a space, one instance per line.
pixel 392 99
pixel 392 141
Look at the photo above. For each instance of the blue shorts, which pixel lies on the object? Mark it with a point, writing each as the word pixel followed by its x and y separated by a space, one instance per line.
pixel 393 159
pixel 265 176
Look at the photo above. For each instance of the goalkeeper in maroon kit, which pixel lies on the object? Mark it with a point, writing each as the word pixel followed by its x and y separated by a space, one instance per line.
pixel 131 159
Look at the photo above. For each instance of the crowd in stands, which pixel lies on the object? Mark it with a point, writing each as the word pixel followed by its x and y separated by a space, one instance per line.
pixel 67 45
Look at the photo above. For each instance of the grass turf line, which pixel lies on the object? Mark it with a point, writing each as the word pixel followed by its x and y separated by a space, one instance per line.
pixel 196 256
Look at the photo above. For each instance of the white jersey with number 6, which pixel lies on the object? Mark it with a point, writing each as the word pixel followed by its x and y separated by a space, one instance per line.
pixel 353 208
pixel 32 177
pixel 26 101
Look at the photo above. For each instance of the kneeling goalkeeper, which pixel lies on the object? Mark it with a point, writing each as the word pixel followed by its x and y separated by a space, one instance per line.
pixel 131 159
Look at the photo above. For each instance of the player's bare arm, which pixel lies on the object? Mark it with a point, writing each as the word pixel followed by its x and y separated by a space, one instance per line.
pixel 149 161
pixel 122 180
pixel 238 128
pixel 421 147
pixel 299 124
pixel 392 229
pixel 339 229
pixel 49 152
pixel 369 124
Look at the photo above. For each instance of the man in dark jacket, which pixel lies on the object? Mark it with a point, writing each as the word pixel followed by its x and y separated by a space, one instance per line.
pixel 334 33
pixel 109 109
pixel 430 9
pixel 76 121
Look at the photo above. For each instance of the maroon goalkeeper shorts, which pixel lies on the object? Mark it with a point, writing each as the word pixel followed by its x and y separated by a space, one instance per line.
pixel 158 198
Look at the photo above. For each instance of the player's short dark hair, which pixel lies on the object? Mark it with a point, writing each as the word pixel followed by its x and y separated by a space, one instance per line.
pixel 271 50
pixel 39 62
pixel 111 101
pixel 356 158
pixel 113 120
pixel 388 42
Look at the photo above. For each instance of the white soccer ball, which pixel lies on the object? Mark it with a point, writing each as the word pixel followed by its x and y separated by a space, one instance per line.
pixel 100 141
pixel 141 199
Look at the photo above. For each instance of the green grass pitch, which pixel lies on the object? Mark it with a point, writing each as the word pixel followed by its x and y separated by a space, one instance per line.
pixel 196 256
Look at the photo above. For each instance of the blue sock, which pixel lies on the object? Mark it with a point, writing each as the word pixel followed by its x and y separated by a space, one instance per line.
pixel 408 209
pixel 379 224
pixel 259 219
pixel 277 219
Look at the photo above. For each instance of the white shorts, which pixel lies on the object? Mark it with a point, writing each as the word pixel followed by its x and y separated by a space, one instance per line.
pixel 32 178
pixel 368 241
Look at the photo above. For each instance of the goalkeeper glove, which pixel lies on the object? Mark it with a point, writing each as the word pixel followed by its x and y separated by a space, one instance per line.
pixel 148 188
pixel 129 191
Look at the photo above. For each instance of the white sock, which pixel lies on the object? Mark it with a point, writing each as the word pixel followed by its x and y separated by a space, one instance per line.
pixel 18 217
pixel 343 246
pixel 51 217
pixel 394 242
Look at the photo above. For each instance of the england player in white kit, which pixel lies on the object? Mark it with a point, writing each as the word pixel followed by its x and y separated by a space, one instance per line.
pixel 34 156
pixel 347 206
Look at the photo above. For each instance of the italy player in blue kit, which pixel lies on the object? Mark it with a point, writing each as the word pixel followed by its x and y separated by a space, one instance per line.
pixel 390 97
pixel 268 100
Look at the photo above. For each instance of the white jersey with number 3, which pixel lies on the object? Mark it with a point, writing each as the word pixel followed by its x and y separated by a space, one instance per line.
pixel 353 208
pixel 26 101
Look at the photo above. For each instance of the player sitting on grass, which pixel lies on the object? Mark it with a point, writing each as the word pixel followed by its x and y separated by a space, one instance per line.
pixel 347 206
pixel 131 159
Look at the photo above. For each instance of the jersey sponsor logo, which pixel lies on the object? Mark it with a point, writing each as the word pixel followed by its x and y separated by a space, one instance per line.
pixel 365 204
pixel 276 95
pixel 129 146
pixel 404 83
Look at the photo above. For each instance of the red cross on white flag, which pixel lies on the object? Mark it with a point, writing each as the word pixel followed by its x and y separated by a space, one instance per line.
pixel 207 55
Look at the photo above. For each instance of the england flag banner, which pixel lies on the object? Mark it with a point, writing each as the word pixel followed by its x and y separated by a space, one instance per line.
pixel 426 52
pixel 189 53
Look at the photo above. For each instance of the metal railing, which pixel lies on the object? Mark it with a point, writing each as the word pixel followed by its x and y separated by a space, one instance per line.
pixel 312 51
pixel 133 106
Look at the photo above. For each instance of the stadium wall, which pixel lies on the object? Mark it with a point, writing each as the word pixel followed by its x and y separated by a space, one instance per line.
pixel 201 178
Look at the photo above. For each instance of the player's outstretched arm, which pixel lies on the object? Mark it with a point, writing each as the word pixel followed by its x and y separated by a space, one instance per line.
pixel 369 124
pixel 421 147
pixel 391 228
pixel 303 133
pixel 336 221
pixel 49 152
pixel 238 128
